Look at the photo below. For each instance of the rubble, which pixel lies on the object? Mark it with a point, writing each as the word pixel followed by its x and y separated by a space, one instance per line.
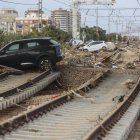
pixel 121 57
pixel 130 65
pixel 129 83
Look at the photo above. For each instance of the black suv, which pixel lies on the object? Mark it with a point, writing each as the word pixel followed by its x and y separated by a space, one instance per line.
pixel 40 52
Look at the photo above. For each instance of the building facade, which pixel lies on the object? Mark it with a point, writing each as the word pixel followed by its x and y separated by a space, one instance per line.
pixel 7 20
pixel 63 19
pixel 30 21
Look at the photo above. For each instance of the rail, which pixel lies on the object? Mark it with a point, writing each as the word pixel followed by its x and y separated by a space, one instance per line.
pixel 28 115
pixel 26 90
pixel 101 130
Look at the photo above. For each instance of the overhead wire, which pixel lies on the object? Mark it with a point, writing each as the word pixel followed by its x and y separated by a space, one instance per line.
pixel 138 2
pixel 68 4
pixel 111 14
pixel 6 1
pixel 58 1
pixel 46 9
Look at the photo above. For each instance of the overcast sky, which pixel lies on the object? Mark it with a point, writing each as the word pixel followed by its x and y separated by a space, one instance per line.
pixel 88 18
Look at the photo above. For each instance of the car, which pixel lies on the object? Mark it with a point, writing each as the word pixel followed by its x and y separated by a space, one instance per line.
pixel 76 42
pixel 43 53
pixel 94 46
pixel 87 42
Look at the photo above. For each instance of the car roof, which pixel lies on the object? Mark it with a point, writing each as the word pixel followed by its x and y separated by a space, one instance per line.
pixel 28 39
pixel 99 41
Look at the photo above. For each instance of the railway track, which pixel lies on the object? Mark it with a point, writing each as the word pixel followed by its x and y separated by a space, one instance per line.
pixel 14 81
pixel 28 104
pixel 16 88
pixel 77 119
pixel 123 127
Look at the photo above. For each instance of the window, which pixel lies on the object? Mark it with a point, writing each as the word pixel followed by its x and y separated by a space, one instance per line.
pixel 96 42
pixel 14 47
pixel 32 44
pixel 46 43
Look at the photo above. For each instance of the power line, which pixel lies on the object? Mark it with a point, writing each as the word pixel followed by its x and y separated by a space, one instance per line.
pixel 46 9
pixel 108 9
pixel 138 2
pixel 16 2
pixel 58 1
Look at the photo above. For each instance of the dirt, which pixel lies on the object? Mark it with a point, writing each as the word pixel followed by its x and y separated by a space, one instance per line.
pixel 72 77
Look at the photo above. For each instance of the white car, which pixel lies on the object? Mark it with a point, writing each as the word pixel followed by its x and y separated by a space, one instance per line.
pixel 76 42
pixel 94 46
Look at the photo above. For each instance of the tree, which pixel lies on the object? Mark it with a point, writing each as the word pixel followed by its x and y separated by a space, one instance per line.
pixel 52 32
pixel 93 33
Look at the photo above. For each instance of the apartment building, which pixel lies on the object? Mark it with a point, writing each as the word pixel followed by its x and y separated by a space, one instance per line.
pixel 63 19
pixel 7 20
pixel 30 21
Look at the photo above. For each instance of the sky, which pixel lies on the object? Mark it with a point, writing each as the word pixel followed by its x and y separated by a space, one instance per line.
pixel 121 20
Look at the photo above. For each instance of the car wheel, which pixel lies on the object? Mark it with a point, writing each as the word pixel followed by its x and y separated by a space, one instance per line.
pixel 85 50
pixel 45 64
pixel 104 47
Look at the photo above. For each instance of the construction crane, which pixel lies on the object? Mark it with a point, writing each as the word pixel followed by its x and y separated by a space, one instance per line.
pixel 76 3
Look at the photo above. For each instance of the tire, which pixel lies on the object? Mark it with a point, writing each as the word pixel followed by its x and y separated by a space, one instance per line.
pixel 45 64
pixel 104 47
pixel 85 50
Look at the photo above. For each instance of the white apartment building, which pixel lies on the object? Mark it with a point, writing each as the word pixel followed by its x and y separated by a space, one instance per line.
pixel 63 19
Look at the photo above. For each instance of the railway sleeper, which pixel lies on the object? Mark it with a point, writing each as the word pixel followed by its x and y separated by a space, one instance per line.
pixel 30 91
pixel 30 115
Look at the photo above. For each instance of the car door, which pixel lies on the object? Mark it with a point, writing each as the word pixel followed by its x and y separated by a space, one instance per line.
pixel 9 55
pixel 100 45
pixel 29 52
pixel 93 46
pixel 96 46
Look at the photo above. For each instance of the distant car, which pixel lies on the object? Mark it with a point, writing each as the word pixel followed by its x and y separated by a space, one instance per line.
pixel 94 46
pixel 76 42
pixel 41 52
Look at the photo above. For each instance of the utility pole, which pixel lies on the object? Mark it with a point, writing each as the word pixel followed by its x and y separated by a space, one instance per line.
pixel 108 24
pixel 97 17
pixel 40 15
pixel 75 19
pixel 117 31
pixel 97 30
pixel 122 28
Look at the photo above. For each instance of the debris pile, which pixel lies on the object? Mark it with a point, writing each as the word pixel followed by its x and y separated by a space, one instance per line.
pixel 73 77
pixel 123 57
pixel 129 83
